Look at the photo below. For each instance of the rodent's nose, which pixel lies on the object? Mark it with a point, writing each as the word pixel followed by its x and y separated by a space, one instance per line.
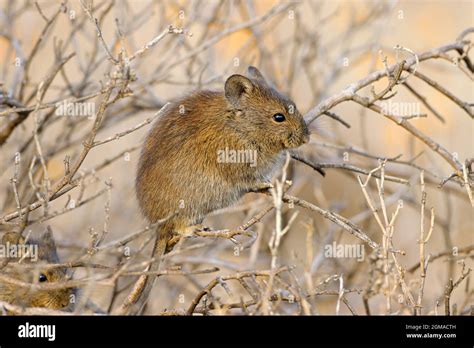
pixel 306 137
pixel 306 134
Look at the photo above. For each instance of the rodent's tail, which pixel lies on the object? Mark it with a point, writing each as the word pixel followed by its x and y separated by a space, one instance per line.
pixel 136 300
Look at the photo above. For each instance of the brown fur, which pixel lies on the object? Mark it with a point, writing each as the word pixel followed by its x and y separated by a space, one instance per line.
pixel 179 159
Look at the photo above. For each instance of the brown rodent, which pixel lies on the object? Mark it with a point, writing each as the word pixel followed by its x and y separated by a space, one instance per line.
pixel 179 170
pixel 179 161
pixel 41 251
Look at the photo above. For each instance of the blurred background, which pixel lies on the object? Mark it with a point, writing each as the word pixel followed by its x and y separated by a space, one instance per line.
pixel 310 50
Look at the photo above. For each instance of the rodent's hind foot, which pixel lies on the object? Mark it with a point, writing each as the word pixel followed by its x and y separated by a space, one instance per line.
pixel 202 228
pixel 191 230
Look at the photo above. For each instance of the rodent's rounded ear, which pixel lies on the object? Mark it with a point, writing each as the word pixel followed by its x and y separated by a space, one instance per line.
pixel 235 87
pixel 256 74
pixel 47 239
pixel 47 247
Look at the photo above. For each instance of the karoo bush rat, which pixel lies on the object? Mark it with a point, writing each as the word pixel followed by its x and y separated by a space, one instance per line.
pixel 45 249
pixel 179 170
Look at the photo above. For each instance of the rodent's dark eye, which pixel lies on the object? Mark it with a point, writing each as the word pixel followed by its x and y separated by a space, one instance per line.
pixel 279 118
pixel 42 278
